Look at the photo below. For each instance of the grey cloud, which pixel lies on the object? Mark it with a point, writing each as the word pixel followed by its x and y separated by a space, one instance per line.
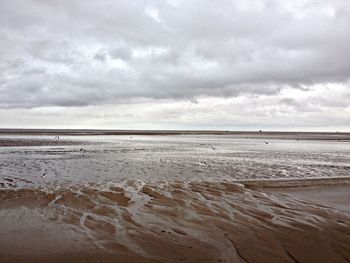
pixel 289 102
pixel 101 56
pixel 121 52
pixel 52 51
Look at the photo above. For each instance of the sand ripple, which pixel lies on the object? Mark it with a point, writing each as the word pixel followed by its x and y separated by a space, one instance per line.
pixel 194 221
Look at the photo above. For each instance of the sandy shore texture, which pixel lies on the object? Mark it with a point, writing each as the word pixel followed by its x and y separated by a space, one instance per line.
pixel 174 222
pixel 48 213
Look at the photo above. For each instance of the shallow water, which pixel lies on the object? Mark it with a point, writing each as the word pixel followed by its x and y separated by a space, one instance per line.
pixel 101 159
pixel 173 199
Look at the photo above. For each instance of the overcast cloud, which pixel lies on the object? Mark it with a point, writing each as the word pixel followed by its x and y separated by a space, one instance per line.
pixel 175 64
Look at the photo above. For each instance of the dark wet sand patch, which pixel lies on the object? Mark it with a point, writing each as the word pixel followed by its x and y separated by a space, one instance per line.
pixel 173 222
pixel 25 142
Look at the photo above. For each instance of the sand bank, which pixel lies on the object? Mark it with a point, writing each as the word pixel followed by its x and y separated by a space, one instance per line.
pixel 332 192
pixel 173 199
pixel 172 222
pixel 335 196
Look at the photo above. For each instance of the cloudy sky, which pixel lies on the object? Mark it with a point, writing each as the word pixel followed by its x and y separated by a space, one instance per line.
pixel 238 65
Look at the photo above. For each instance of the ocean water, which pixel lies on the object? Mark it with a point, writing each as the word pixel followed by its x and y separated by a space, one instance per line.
pixel 102 159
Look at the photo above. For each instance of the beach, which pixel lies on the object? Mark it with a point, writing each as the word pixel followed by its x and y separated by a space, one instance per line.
pixel 174 198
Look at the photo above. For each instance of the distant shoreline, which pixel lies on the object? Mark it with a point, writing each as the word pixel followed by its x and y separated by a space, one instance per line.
pixel 343 136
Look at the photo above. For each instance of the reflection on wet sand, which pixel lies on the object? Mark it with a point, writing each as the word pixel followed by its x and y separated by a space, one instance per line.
pixel 174 199
pixel 196 221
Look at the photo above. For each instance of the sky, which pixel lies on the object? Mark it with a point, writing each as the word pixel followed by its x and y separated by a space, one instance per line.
pixel 217 65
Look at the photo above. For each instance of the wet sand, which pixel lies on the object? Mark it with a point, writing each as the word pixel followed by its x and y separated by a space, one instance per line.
pixel 11 142
pixel 56 219
pixel 335 196
pixel 173 222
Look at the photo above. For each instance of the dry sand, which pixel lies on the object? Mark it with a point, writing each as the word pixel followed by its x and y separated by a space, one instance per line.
pixel 175 222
